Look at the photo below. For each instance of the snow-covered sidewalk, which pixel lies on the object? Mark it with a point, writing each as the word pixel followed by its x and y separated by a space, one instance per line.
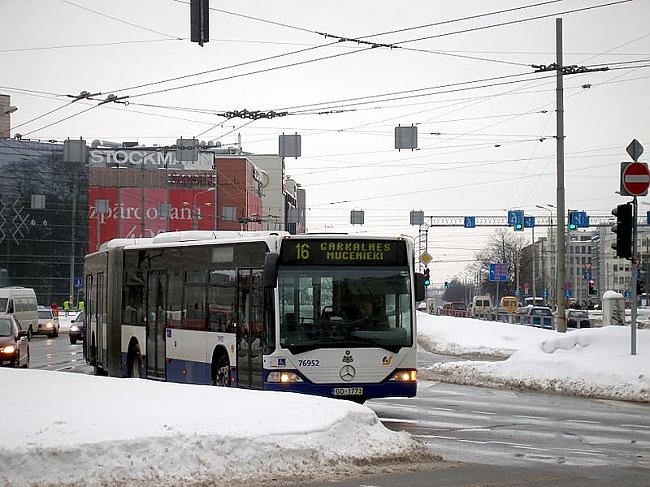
pixel 592 362
pixel 138 432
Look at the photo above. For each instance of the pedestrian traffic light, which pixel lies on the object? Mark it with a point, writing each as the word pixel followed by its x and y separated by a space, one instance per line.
pixel 571 220
pixel 446 284
pixel 427 277
pixel 623 230
pixel 519 221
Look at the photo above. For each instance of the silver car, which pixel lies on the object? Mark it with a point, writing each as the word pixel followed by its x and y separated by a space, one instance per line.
pixel 48 324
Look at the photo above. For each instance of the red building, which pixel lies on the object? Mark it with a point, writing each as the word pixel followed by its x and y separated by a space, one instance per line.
pixel 239 199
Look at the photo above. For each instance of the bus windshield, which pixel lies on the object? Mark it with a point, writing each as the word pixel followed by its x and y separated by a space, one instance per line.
pixel 346 306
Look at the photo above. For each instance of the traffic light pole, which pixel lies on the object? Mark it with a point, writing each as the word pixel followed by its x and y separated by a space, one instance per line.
pixel 633 277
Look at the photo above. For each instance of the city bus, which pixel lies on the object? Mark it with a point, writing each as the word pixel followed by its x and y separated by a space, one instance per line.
pixel 258 310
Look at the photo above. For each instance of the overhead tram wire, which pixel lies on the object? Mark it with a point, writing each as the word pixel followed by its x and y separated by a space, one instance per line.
pixel 99 44
pixel 116 19
pixel 277 56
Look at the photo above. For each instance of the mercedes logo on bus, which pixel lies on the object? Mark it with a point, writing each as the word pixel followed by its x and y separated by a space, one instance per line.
pixel 347 373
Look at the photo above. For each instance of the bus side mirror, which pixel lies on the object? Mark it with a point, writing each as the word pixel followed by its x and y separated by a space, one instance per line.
pixel 271 270
pixel 420 293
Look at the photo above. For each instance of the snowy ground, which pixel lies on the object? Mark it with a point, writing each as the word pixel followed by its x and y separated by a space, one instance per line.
pixel 592 362
pixel 136 432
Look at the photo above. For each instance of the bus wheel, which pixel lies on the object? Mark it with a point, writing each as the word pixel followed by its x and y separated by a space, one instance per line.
pixel 221 372
pixel 134 362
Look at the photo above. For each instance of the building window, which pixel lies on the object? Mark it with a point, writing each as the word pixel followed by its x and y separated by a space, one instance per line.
pixel 229 213
pixel 615 267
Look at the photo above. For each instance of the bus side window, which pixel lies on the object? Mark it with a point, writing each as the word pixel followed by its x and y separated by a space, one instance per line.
pixel 10 306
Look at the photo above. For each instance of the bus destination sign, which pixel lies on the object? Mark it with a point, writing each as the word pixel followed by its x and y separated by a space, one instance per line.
pixel 343 251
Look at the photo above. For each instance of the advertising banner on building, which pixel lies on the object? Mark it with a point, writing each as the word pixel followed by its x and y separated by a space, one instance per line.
pixel 136 212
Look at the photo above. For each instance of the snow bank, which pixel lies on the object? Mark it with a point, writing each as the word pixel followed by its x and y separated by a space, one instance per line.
pixel 94 430
pixel 448 335
pixel 589 362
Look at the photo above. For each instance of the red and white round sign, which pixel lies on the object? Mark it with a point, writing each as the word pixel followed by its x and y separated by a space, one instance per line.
pixel 636 178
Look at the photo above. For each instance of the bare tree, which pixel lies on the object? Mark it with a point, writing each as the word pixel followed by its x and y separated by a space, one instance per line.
pixel 502 247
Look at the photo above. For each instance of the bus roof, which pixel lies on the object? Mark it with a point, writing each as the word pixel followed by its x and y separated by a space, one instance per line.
pixel 202 237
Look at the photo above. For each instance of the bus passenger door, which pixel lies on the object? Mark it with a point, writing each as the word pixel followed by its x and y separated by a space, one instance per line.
pixel 156 305
pixel 250 327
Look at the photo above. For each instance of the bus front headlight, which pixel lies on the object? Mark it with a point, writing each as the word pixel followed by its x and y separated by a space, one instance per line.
pixel 8 349
pixel 283 377
pixel 404 376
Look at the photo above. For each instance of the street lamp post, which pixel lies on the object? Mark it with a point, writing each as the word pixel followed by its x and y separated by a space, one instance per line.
pixel 195 215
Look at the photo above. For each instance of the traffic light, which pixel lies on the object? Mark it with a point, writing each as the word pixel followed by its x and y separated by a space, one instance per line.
pixel 427 277
pixel 519 221
pixel 592 287
pixel 623 230
pixel 640 287
pixel 572 225
pixel 446 284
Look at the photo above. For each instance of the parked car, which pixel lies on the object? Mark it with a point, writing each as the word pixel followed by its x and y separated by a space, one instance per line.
pixel 14 346
pixel 539 316
pixel 48 324
pixel 455 308
pixel 577 318
pixel 77 327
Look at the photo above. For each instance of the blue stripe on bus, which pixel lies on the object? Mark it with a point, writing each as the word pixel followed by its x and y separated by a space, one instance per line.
pixel 188 372
pixel 386 388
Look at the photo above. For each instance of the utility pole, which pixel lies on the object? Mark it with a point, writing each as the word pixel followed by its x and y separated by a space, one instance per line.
pixel 560 324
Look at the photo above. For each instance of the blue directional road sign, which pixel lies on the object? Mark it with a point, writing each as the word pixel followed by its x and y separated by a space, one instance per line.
pixel 470 222
pixel 77 282
pixel 498 272
pixel 512 217
pixel 580 219
pixel 529 222
pixel 587 275
pixel 648 217
pixel 545 293
pixel 568 293
pixel 626 293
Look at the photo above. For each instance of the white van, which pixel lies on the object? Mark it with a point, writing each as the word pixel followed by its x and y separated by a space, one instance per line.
pixel 481 306
pixel 20 302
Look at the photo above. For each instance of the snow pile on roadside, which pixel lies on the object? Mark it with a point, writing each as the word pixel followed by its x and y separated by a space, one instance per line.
pixel 589 362
pixel 448 335
pixel 136 432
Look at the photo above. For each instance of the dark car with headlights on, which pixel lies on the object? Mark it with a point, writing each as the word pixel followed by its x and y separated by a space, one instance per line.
pixel 577 318
pixel 77 327
pixel 14 347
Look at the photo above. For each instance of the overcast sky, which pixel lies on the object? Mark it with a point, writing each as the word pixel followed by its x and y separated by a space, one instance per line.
pixel 484 147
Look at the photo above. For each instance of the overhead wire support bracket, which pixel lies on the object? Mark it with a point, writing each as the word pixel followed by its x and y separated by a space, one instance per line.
pixel 114 99
pixel 573 69
pixel 253 114
pixel 84 95
pixel 359 41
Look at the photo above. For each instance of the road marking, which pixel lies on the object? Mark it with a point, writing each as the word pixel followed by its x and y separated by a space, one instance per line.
pixel 595 453
pixel 528 417
pixel 582 421
pixel 636 426
pixel 472 441
pixel 439 437
pixel 522 447
pixel 508 443
pixel 482 412
pixel 443 409
pixel 398 420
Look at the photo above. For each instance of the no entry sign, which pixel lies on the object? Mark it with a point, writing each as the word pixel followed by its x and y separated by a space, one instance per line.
pixel 635 178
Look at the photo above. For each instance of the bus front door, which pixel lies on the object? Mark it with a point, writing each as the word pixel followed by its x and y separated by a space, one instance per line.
pixel 156 305
pixel 250 304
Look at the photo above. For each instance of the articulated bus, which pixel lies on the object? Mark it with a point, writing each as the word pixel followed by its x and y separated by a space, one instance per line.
pixel 331 315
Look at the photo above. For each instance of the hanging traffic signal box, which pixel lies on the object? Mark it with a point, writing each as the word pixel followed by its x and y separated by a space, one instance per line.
pixel 519 221
pixel 592 288
pixel 427 277
pixel 572 223
pixel 623 231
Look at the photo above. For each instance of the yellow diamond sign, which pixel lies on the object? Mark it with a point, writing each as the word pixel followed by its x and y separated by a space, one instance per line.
pixel 425 258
